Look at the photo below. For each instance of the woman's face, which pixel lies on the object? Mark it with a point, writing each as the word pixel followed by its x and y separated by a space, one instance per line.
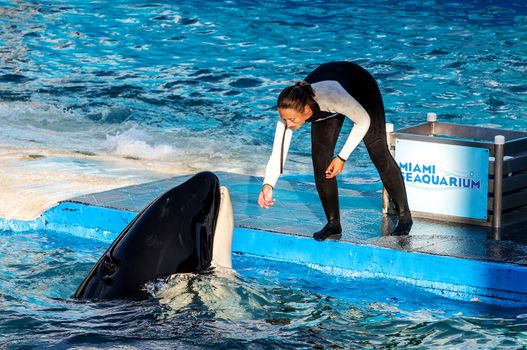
pixel 294 119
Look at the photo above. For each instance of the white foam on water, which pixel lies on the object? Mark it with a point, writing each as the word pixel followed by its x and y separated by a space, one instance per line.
pixel 34 179
pixel 136 143
pixel 33 112
pixel 49 154
pixel 47 125
pixel 222 292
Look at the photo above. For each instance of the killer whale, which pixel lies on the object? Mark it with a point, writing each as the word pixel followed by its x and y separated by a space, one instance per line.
pixel 181 231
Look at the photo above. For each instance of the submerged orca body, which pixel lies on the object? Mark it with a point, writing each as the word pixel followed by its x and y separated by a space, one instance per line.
pixel 175 233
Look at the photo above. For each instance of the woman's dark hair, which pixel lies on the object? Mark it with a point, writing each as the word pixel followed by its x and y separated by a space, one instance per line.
pixel 296 97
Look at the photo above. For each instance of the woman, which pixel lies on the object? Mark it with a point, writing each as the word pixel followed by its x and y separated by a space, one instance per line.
pixel 328 94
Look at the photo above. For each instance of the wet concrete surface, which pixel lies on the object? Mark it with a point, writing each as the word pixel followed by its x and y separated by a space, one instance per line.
pixel 298 211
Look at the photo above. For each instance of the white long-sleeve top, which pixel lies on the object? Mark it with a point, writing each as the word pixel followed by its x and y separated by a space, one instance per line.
pixel 331 97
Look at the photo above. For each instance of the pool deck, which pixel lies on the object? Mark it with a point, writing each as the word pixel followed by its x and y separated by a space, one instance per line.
pixel 456 261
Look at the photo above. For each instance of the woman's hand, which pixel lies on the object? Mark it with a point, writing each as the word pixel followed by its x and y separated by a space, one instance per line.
pixel 334 168
pixel 265 199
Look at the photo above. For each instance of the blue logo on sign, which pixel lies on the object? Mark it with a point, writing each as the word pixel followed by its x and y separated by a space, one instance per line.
pixel 426 174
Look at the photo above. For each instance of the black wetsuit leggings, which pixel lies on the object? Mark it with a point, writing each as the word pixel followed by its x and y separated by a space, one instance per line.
pixel 324 134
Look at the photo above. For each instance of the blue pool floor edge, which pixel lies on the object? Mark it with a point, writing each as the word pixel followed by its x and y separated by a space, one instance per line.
pixel 465 279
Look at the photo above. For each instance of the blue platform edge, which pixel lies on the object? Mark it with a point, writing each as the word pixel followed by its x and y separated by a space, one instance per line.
pixel 461 279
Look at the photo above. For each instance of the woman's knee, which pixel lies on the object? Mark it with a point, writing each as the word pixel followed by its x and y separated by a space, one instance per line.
pixel 380 154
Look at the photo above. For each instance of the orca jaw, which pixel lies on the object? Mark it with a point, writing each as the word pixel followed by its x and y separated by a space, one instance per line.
pixel 223 231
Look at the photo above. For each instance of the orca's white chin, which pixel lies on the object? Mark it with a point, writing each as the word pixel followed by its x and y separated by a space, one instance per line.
pixel 222 245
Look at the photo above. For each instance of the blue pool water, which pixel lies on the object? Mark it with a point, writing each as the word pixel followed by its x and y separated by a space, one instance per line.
pixel 263 305
pixel 194 83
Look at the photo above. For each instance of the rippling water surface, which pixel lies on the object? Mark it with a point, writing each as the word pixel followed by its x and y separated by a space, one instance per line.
pixel 262 305
pixel 97 94
pixel 163 88
pixel 197 80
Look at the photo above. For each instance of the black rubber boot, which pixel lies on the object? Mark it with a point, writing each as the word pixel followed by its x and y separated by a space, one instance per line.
pixel 332 230
pixel 404 225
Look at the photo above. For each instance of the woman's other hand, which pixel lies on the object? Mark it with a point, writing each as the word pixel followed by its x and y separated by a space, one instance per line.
pixel 265 199
pixel 334 168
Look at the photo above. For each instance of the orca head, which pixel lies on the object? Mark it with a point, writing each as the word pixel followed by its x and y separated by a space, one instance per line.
pixel 173 234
